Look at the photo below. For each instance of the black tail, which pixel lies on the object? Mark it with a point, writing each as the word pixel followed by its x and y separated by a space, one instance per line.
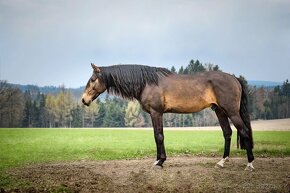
pixel 245 117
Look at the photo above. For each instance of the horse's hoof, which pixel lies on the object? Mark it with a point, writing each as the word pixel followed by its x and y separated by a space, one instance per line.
pixel 249 167
pixel 218 166
pixel 157 167
pixel 227 159
pixel 221 163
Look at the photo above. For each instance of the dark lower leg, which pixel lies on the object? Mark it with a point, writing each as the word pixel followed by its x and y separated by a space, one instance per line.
pixel 159 137
pixel 250 154
pixel 157 148
pixel 161 154
pixel 227 147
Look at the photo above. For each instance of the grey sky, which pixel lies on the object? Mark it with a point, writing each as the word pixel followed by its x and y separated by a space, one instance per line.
pixel 53 42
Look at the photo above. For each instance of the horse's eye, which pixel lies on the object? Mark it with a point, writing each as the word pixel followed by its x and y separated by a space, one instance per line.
pixel 93 79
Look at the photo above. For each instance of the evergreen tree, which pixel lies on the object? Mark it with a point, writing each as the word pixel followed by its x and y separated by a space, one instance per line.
pixel 196 67
pixel 35 115
pixel 181 70
pixel 115 113
pixel 99 121
pixel 43 118
pixel 27 113
pixel 216 68
pixel 77 116
pixel 34 110
pixel 173 69
pixel 285 92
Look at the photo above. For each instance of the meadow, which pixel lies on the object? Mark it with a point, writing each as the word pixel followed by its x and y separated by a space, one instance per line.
pixel 27 146
pixel 74 149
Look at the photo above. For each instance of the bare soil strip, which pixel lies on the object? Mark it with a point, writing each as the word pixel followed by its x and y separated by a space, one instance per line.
pixel 180 174
pixel 257 125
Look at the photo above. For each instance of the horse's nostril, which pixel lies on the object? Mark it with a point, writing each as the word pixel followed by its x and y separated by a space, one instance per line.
pixel 85 103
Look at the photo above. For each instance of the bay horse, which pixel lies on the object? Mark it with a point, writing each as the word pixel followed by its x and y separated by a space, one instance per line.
pixel 160 91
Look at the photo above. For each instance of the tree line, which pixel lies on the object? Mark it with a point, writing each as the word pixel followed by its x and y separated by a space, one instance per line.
pixel 32 108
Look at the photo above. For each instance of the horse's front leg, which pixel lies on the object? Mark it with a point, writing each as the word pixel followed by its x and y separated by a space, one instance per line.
pixel 157 122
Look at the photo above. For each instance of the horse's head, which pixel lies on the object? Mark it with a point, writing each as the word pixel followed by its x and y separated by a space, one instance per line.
pixel 95 86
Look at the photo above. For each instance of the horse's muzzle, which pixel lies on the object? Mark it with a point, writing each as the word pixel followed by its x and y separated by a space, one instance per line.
pixel 85 103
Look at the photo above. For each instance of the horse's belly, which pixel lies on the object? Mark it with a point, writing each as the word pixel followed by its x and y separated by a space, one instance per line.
pixel 183 105
pixel 188 101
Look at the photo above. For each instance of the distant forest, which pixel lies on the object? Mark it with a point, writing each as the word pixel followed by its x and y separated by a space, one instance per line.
pixel 32 106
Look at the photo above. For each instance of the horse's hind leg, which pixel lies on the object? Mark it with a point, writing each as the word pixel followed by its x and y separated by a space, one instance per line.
pixel 227 132
pixel 241 127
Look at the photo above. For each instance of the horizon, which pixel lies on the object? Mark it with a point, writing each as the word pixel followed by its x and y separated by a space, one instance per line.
pixel 53 43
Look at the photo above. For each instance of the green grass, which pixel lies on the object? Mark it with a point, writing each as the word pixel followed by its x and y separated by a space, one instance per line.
pixel 19 147
pixel 25 146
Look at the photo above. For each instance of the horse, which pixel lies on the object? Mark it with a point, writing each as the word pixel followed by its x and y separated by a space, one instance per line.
pixel 160 91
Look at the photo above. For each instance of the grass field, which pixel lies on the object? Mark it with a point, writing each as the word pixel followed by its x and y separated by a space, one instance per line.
pixel 19 147
pixel 25 146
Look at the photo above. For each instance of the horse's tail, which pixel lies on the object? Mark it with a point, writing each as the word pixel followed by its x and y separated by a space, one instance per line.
pixel 244 113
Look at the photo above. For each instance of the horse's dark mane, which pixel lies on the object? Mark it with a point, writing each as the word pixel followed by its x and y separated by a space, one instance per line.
pixel 128 81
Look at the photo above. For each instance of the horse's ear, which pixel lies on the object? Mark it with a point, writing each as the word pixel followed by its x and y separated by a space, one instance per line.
pixel 96 69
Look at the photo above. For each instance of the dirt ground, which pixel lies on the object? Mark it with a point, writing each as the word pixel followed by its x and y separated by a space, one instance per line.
pixel 180 174
pixel 257 125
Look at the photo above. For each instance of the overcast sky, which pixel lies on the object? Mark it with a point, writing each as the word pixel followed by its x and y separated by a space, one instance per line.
pixel 53 42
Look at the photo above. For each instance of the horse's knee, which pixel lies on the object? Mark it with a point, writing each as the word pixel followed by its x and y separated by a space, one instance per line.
pixel 227 134
pixel 159 138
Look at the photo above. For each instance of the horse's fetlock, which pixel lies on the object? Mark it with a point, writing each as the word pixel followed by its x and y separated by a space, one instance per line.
pixel 163 158
pixel 228 137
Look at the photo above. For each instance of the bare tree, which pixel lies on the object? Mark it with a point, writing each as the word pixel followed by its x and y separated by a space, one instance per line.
pixel 11 105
